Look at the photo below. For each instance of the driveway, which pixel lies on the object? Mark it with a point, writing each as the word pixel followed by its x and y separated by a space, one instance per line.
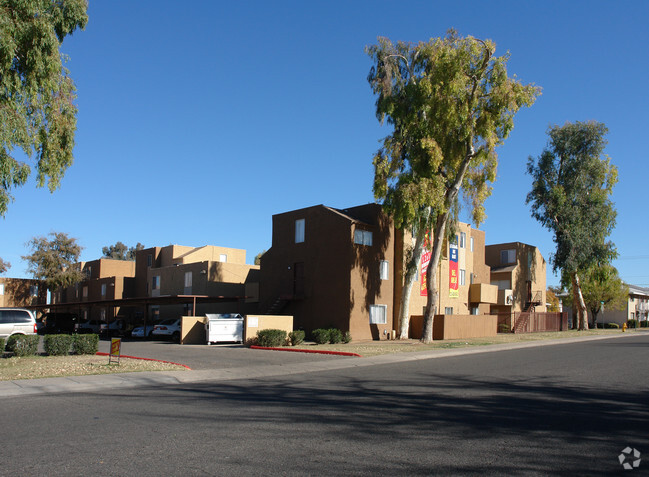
pixel 222 356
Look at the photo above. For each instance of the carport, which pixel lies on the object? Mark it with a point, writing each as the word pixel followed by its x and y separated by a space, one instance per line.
pixel 144 302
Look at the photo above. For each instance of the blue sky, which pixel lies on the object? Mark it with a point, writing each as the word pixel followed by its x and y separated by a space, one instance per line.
pixel 199 121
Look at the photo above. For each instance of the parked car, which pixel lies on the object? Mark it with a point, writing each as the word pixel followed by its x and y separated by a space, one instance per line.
pixel 168 329
pixel 114 328
pixel 138 331
pixel 89 326
pixel 16 321
pixel 58 323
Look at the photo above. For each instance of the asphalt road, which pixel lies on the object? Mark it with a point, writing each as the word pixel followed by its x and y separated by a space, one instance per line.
pixel 557 410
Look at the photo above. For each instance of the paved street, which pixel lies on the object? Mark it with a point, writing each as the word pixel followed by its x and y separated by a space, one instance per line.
pixel 563 409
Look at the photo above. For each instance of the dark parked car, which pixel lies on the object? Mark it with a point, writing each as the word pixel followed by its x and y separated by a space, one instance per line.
pixel 59 323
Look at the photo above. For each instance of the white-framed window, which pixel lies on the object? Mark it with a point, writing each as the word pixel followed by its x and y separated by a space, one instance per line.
pixel 448 310
pixel 462 277
pixel 155 282
pixel 462 240
pixel 363 237
pixel 378 314
pixel 223 257
pixel 471 243
pixel 103 289
pixel 385 270
pixel 507 256
pixel 299 231
pixel 2 288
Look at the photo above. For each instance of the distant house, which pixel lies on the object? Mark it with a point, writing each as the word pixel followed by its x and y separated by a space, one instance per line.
pixel 637 308
pixel 343 268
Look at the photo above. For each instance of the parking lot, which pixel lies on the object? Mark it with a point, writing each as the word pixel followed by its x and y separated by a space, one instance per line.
pixel 221 356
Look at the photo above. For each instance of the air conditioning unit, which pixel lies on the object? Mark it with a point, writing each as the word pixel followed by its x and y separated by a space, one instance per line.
pixel 509 299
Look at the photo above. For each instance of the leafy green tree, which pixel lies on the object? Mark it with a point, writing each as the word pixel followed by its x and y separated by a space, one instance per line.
pixel 258 257
pixel 53 260
pixel 450 104
pixel 570 196
pixel 37 110
pixel 4 266
pixel 552 299
pixel 119 251
pixel 602 288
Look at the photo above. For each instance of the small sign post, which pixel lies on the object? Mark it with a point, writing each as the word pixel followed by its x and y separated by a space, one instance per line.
pixel 115 348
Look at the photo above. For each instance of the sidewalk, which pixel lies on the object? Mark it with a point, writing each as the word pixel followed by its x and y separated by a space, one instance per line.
pixel 97 383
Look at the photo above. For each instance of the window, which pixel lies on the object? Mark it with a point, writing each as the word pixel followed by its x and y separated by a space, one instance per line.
pixel 378 314
pixel 76 291
pixel 299 231
pixel 188 279
pixel 471 243
pixel 155 283
pixel 149 260
pixel 502 284
pixel 448 310
pixel 362 237
pixel 462 277
pixel 475 310
pixel 224 258
pixel 462 240
pixel 385 270
pixel 507 256
pixel 33 290
pixel 85 292
pixel 103 289
pixel 2 288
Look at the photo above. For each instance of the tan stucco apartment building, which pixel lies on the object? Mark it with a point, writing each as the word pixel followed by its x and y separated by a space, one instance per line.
pixel 343 268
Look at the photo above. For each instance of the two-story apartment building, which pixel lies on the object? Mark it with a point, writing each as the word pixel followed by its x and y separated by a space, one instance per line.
pixel 519 272
pixel 343 268
pixel 20 292
pixel 207 271
pixel 637 308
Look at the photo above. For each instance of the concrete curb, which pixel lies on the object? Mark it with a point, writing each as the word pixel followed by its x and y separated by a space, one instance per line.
pixel 99 383
pixel 313 351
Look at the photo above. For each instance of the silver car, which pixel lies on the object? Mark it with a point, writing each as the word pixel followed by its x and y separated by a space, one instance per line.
pixel 16 321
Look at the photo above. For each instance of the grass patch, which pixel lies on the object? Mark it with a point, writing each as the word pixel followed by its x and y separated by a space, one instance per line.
pixel 32 367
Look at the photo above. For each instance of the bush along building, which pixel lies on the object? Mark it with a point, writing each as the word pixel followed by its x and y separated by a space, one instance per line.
pixel 343 268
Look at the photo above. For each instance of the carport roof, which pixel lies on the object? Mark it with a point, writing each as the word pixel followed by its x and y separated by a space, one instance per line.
pixel 145 301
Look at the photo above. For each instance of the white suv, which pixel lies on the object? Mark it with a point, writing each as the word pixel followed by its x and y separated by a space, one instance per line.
pixel 16 321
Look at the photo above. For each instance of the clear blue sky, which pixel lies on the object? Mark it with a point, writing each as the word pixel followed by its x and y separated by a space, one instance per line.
pixel 200 120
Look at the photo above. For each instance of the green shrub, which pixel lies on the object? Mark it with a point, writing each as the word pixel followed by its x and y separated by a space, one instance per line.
pixel 271 338
pixel 86 344
pixel 611 326
pixel 23 345
pixel 347 337
pixel 57 345
pixel 296 337
pixel 644 324
pixel 335 336
pixel 320 336
pixel 2 346
pixel 632 323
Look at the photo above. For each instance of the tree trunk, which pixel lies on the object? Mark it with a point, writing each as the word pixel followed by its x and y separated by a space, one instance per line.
pixel 431 278
pixel 579 303
pixel 409 280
